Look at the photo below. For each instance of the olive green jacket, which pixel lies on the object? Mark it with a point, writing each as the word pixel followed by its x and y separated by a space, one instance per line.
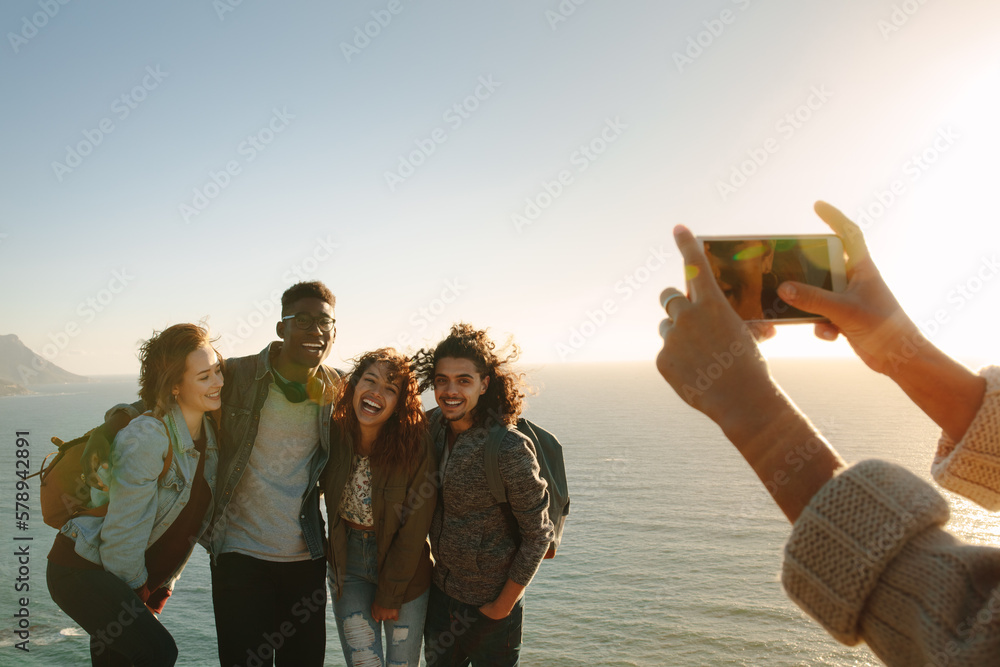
pixel 403 503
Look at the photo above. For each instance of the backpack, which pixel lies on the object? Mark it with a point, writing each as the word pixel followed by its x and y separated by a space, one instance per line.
pixel 64 493
pixel 548 453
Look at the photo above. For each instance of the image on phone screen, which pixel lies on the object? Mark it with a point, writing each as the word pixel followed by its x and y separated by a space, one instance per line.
pixel 749 270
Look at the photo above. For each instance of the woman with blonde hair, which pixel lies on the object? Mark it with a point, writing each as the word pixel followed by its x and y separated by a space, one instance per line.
pixel 111 573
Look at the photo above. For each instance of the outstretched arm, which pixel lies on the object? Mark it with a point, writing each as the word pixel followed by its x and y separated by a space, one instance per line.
pixel 867 557
pixel 703 338
pixel 888 341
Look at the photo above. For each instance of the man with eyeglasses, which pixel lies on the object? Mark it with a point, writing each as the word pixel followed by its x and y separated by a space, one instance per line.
pixel 268 569
pixel 266 541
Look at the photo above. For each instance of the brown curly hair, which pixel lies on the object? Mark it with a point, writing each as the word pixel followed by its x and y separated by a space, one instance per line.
pixel 164 360
pixel 399 443
pixel 504 397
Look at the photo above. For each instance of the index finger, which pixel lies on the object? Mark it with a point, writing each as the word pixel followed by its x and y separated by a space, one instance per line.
pixel 697 271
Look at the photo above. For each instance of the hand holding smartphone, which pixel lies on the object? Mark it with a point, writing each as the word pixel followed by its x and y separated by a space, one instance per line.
pixel 749 269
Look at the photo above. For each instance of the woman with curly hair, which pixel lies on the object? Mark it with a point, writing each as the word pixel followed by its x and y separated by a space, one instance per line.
pixel 380 491
pixel 111 573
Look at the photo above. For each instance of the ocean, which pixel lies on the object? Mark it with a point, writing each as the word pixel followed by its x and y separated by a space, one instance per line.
pixel 671 555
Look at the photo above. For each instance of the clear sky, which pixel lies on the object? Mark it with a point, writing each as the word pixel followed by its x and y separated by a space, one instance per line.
pixel 163 162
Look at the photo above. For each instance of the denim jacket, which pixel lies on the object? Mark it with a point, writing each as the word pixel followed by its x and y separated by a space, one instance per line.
pixel 243 395
pixel 142 506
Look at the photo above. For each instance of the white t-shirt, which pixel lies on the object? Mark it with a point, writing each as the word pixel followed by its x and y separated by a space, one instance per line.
pixel 263 516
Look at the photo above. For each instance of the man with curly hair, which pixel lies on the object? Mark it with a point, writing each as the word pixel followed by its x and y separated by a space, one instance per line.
pixel 485 552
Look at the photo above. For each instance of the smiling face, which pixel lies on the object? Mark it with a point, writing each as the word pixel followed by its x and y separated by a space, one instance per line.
pixel 306 348
pixel 375 397
pixel 457 388
pixel 200 388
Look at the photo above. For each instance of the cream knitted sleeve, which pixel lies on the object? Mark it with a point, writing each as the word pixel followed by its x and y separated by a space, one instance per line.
pixel 868 560
pixel 971 466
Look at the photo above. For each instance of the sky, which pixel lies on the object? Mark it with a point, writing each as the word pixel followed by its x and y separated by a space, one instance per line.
pixel 515 165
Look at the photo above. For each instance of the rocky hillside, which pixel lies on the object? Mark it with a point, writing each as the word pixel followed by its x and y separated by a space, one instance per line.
pixel 21 368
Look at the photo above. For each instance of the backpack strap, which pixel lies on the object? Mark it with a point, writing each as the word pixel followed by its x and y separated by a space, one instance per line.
pixel 491 456
pixel 434 423
pixel 169 458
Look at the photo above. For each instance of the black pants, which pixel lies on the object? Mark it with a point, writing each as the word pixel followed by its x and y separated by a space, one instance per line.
pixel 122 631
pixel 457 634
pixel 269 613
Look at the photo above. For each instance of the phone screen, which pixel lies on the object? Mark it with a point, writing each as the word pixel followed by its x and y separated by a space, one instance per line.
pixel 749 271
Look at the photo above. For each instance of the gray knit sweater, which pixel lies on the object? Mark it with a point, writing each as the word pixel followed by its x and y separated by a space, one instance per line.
pixel 477 544
pixel 869 560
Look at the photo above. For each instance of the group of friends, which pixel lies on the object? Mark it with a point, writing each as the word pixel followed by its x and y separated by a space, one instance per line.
pixel 868 556
pixel 236 455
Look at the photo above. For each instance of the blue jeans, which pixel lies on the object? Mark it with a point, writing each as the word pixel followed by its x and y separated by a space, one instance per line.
pixel 360 635
pixel 457 634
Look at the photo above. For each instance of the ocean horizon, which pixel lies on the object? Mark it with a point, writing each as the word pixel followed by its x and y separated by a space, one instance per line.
pixel 671 554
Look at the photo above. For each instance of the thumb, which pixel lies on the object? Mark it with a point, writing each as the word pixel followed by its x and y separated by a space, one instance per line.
pixel 813 299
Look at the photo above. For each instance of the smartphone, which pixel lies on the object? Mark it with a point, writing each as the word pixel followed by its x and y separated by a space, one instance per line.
pixel 750 268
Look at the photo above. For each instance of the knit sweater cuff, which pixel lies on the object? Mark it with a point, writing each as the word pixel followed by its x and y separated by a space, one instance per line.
pixel 971 467
pixel 848 534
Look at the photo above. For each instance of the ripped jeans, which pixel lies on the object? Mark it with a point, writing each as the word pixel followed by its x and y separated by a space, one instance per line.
pixel 360 636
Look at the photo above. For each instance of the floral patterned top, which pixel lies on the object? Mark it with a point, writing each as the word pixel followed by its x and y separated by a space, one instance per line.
pixel 356 503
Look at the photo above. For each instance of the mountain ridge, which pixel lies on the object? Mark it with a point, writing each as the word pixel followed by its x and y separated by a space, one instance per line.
pixel 20 368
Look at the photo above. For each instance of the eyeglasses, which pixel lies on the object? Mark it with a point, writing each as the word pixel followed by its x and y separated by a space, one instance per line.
pixel 306 321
